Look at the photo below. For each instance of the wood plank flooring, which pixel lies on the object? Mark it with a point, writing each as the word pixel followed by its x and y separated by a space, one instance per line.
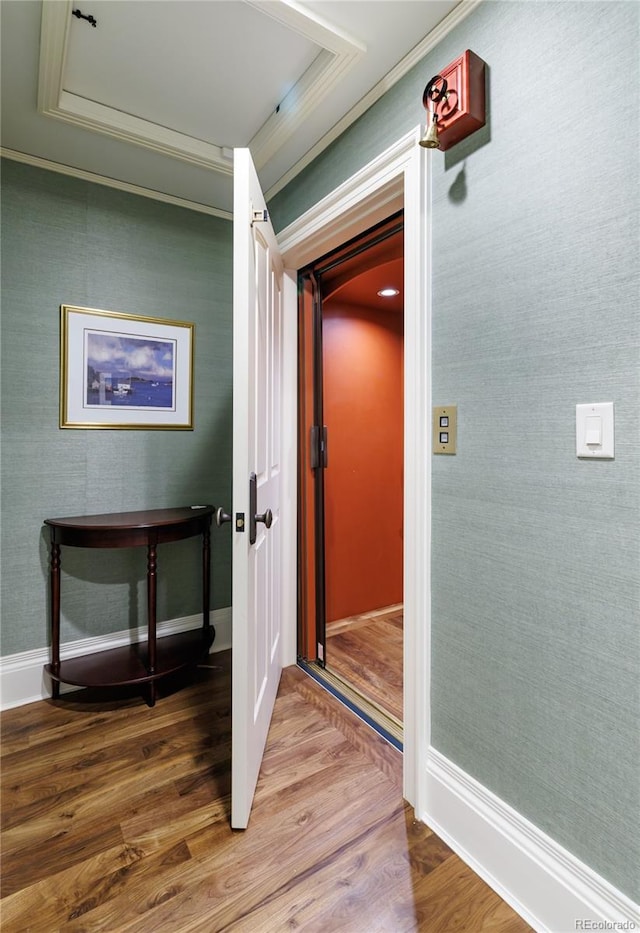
pixel 115 817
pixel 366 652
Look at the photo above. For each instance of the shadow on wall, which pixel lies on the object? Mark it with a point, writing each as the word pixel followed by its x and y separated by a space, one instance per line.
pixel 457 193
pixel 125 569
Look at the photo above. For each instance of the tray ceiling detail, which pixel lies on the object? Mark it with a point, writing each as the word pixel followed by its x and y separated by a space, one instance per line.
pixel 133 76
pixel 156 96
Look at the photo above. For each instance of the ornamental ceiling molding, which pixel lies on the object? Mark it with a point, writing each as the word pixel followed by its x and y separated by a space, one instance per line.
pixel 338 53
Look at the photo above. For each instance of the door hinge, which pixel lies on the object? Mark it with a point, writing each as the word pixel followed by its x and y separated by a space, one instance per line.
pixel 259 216
pixel 319 447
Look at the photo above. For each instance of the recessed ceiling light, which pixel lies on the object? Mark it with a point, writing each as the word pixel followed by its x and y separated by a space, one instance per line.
pixel 388 292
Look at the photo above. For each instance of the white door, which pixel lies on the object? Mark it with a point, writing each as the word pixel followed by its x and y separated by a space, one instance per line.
pixel 257 462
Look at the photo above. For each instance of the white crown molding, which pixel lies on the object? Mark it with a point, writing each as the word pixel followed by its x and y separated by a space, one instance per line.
pixel 457 15
pixel 72 172
pixel 320 78
pixel 54 34
pixel 339 53
pixel 546 884
pixel 123 126
pixel 22 677
pixel 310 25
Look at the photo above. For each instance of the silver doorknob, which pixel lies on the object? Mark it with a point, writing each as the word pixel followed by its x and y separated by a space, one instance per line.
pixel 222 517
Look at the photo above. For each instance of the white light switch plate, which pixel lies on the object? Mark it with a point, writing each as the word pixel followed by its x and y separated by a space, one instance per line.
pixel 595 431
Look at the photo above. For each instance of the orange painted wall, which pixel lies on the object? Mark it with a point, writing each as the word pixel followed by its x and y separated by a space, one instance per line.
pixel 363 411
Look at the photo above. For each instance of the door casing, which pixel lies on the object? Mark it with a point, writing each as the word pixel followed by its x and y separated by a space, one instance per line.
pixel 397 179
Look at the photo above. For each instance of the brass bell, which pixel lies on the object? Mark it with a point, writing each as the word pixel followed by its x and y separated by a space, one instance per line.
pixel 430 139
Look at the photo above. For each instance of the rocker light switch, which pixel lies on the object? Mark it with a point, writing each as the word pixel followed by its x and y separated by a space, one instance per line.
pixel 594 431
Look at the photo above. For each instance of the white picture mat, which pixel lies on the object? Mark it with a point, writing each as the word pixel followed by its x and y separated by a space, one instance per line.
pixel 77 323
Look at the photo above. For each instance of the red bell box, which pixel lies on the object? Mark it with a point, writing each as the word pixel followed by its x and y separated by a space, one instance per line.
pixel 462 109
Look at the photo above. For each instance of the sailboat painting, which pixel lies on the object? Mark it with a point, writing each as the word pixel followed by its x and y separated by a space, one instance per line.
pixel 131 371
pixel 124 371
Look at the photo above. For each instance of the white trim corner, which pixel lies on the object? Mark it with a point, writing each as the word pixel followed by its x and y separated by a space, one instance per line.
pixel 544 883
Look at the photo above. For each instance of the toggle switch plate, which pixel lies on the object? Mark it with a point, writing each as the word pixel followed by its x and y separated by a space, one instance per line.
pixel 594 431
pixel 445 419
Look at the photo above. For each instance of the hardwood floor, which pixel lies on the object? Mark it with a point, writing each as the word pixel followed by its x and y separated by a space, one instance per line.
pixel 366 652
pixel 115 817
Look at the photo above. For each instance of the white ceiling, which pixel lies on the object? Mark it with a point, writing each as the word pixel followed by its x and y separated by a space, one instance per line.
pixel 158 93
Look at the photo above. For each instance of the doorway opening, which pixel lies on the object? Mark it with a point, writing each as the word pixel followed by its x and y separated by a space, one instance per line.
pixel 351 472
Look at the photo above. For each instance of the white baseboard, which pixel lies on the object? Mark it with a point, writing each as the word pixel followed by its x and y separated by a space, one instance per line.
pixel 22 677
pixel 550 888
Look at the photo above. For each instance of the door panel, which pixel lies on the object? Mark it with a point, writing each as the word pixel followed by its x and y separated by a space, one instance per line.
pixel 257 399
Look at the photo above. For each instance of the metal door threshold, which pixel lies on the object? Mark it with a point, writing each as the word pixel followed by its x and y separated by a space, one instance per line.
pixel 378 719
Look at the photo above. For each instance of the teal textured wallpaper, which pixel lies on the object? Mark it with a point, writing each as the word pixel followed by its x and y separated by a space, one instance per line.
pixel 536 554
pixel 65 241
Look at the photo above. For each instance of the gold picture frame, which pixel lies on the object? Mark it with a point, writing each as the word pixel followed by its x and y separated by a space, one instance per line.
pixel 125 371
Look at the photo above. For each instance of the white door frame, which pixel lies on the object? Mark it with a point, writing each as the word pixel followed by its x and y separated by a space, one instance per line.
pixel 397 179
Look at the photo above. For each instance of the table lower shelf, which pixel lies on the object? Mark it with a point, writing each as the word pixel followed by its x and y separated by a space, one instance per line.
pixel 127 665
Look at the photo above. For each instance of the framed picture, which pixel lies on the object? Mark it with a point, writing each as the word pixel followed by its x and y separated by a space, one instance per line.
pixel 124 371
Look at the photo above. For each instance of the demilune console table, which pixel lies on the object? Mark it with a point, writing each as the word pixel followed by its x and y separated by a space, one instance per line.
pixel 143 662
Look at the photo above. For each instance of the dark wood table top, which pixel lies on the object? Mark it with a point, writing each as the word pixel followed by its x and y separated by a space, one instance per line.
pixel 146 518
pixel 131 529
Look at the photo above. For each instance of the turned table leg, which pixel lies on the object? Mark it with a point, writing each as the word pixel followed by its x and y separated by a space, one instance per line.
pixel 55 617
pixel 152 567
pixel 206 577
